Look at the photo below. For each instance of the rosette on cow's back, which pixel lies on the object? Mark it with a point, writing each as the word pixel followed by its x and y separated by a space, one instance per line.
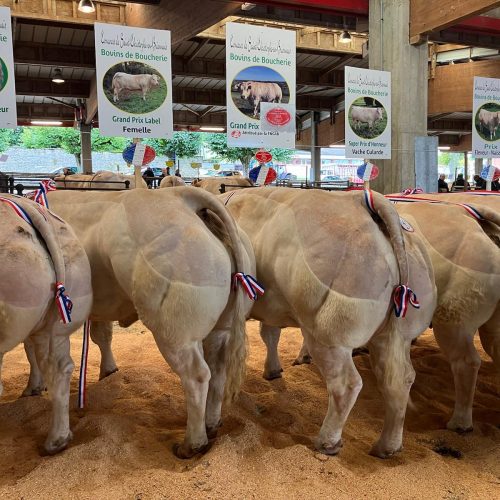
pixel 367 117
pixel 134 87
pixel 255 85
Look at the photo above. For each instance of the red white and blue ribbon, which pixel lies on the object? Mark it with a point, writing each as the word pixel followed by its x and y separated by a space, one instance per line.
pixel 18 209
pixel 369 201
pixel 40 195
pixel 64 303
pixel 402 296
pixel 412 191
pixel 82 381
pixel 251 286
pixel 262 175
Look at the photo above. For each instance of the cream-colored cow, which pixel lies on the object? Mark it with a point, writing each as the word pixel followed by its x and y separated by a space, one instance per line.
pixel 155 256
pixel 467 270
pixel 103 179
pixel 172 181
pixel 34 257
pixel 214 185
pixel 330 267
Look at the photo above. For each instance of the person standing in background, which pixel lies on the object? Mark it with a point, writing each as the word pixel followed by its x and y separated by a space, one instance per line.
pixel 443 185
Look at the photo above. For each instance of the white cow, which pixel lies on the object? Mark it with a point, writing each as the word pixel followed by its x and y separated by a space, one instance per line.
pixel 362 114
pixel 102 179
pixel 172 181
pixel 329 268
pixel 125 81
pixel 257 92
pixel 34 257
pixel 166 257
pixel 230 184
pixel 489 120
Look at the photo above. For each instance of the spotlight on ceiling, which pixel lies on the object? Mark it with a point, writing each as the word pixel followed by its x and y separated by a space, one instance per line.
pixel 86 6
pixel 247 6
pixel 58 78
pixel 345 37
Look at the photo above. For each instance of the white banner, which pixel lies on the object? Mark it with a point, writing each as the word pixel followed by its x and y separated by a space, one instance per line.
pixel 486 118
pixel 260 86
pixel 8 111
pixel 367 113
pixel 134 81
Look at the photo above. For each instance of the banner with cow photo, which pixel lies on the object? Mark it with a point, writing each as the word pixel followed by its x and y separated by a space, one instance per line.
pixel 367 113
pixel 134 81
pixel 8 111
pixel 486 118
pixel 260 86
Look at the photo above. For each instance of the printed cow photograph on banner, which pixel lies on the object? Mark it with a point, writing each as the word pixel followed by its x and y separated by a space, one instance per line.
pixel 4 74
pixel 257 84
pixel 487 120
pixel 134 87
pixel 367 117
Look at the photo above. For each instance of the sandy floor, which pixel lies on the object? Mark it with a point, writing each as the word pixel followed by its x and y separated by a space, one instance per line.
pixel 123 441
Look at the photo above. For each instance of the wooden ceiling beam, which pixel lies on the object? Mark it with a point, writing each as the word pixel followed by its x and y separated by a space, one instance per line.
pixel 427 17
pixel 45 87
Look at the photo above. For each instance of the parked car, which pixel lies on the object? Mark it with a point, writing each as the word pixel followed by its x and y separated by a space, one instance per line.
pixel 59 171
pixel 329 178
pixel 228 173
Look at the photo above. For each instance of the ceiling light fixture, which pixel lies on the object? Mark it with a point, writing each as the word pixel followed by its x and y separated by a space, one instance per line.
pixel 58 78
pixel 247 6
pixel 444 148
pixel 212 129
pixel 46 122
pixel 86 6
pixel 336 146
pixel 345 37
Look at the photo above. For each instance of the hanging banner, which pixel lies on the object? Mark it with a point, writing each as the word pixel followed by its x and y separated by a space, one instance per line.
pixel 486 118
pixel 260 86
pixel 134 81
pixel 8 112
pixel 367 113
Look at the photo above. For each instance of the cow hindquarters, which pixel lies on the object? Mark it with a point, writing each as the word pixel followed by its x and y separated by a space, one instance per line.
pixel 390 360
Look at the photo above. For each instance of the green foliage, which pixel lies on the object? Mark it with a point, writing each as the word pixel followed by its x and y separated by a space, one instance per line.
pixel 182 145
pixel 217 143
pixel 107 144
pixel 7 138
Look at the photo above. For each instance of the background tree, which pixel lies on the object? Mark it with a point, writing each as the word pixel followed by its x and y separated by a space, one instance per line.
pixel 217 143
pixel 8 138
pixel 182 145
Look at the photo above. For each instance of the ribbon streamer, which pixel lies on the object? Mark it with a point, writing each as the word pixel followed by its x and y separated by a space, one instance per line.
pixel 82 381
pixel 251 286
pixel 64 303
pixel 402 296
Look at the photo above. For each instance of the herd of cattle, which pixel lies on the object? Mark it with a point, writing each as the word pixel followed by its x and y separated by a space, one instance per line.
pixel 336 265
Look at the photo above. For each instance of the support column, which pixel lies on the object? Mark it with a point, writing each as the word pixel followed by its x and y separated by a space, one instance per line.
pixel 390 50
pixel 478 166
pixel 86 142
pixel 315 149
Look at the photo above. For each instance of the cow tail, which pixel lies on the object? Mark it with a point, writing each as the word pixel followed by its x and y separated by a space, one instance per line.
pixel 43 224
pixel 236 349
pixel 384 209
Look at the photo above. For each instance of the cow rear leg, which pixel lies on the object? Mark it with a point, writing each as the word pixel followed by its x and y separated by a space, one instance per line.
pixel 271 337
pixel 457 344
pixel 214 348
pixel 101 333
pixel 390 360
pixel 304 357
pixel 36 384
pixel 489 334
pixel 343 384
pixel 53 356
pixel 189 364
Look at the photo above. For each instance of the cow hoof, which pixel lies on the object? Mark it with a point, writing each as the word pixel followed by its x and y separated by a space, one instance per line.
pixel 183 451
pixel 304 360
pixel 33 391
pixel 379 452
pixel 459 429
pixel 212 431
pixel 53 447
pixel 107 373
pixel 330 450
pixel 273 374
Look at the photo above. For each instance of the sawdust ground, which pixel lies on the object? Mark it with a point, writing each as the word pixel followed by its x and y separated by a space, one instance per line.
pixel 122 442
